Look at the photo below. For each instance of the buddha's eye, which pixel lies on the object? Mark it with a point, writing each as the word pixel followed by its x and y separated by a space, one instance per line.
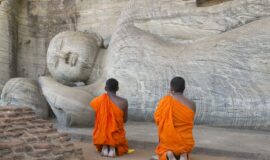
pixel 73 58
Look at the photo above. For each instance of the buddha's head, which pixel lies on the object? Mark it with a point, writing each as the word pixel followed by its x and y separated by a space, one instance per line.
pixel 71 56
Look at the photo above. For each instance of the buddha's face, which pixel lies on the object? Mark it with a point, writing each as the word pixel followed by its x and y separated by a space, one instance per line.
pixel 71 56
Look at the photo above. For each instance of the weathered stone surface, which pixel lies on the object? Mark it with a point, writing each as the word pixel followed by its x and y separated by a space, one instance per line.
pixel 69 104
pixel 227 73
pixel 201 3
pixel 27 27
pixel 20 147
pixel 71 56
pixel 7 41
pixel 24 92
pixel 39 21
pixel 71 61
pixel 213 47
pixel 155 41
pixel 190 23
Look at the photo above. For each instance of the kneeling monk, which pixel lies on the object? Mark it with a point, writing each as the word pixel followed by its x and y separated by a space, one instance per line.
pixel 111 114
pixel 174 117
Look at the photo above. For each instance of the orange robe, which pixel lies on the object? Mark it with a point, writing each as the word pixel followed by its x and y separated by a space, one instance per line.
pixel 175 124
pixel 109 125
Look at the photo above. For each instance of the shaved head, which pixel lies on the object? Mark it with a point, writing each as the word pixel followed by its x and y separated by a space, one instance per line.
pixel 178 84
pixel 112 85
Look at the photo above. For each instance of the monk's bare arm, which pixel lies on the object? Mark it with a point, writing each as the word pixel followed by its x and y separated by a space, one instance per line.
pixel 126 111
pixel 193 106
pixel 189 103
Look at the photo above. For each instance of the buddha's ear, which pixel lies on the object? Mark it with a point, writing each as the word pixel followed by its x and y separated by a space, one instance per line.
pixel 102 42
pixel 96 36
pixel 99 39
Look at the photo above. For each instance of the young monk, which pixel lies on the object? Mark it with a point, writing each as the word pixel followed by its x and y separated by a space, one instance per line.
pixel 174 117
pixel 111 114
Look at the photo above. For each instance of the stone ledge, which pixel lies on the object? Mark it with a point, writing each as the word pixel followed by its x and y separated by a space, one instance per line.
pixel 209 140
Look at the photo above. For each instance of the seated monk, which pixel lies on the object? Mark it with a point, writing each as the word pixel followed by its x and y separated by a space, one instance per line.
pixel 111 114
pixel 174 117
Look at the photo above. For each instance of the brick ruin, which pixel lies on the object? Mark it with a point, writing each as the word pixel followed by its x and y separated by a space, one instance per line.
pixel 25 136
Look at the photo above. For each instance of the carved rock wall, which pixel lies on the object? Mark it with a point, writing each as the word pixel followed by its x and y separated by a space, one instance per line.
pixel 39 21
pixel 7 41
pixel 224 59
pixel 221 50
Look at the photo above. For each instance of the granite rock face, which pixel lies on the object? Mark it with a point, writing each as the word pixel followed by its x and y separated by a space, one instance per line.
pixel 24 92
pixel 221 50
pixel 27 26
pixel 226 75
pixel 7 41
pixel 39 21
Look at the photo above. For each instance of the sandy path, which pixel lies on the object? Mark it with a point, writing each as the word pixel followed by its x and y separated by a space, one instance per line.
pixel 140 154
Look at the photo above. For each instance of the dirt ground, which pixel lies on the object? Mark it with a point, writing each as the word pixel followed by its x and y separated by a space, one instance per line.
pixel 139 154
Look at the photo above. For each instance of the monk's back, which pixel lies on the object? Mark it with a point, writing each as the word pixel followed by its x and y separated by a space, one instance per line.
pixel 109 135
pixel 185 101
pixel 174 117
pixel 119 102
pixel 183 118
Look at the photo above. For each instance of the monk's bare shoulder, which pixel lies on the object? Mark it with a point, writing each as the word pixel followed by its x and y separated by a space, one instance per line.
pixel 187 102
pixel 123 102
pixel 192 105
